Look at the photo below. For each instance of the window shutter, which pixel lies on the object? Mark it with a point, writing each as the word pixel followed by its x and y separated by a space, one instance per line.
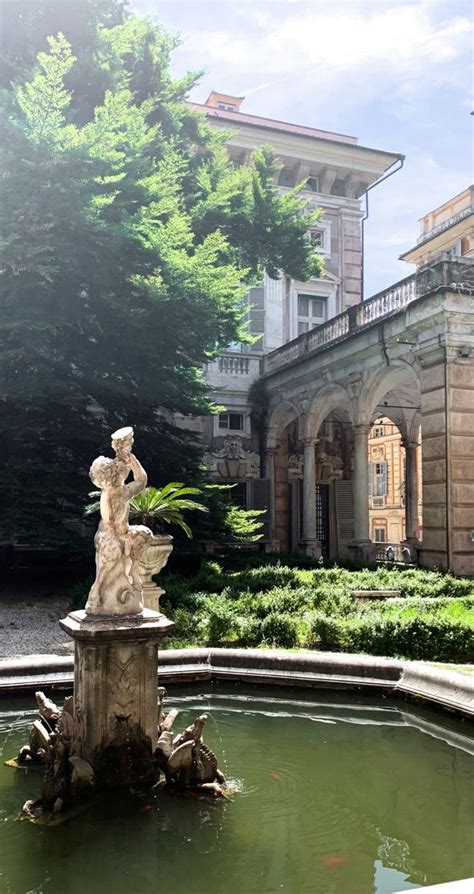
pixel 261 500
pixel 385 479
pixel 344 513
pixel 256 301
pixel 371 472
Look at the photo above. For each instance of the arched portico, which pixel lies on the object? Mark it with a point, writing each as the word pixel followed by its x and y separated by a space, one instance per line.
pixel 411 363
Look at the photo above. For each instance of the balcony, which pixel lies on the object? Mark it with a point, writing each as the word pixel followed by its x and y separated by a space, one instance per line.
pixel 379 306
pixel 445 225
pixel 233 369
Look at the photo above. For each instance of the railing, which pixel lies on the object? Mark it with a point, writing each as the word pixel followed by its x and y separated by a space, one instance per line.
pixel 386 302
pixel 392 552
pixel 445 225
pixel 234 365
pixel 381 305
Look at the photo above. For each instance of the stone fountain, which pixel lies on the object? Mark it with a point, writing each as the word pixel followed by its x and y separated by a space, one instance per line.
pixel 112 731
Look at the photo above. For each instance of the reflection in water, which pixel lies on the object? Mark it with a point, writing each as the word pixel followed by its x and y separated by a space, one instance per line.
pixel 337 797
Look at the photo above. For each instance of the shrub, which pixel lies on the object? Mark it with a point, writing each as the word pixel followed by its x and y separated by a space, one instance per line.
pixel 280 630
pixel 185 624
pixel 218 619
pixel 249 631
pixel 421 637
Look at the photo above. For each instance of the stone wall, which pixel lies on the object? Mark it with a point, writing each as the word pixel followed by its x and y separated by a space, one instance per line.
pixel 447 399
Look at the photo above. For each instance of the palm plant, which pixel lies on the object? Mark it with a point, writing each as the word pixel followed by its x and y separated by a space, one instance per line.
pixel 158 506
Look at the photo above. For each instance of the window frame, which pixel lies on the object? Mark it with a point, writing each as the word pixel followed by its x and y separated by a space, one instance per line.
pixel 229 427
pixel 383 529
pixel 307 319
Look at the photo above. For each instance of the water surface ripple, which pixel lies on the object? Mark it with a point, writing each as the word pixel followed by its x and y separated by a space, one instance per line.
pixel 332 794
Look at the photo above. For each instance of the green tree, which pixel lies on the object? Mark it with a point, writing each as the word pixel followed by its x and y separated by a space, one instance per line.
pixel 128 244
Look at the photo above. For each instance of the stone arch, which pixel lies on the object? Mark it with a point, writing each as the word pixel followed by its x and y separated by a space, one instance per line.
pixel 328 399
pixel 281 416
pixel 399 382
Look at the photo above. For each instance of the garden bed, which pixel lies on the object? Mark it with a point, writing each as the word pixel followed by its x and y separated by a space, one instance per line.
pixel 275 604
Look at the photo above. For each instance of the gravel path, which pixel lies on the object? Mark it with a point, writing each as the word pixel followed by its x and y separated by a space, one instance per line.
pixel 29 622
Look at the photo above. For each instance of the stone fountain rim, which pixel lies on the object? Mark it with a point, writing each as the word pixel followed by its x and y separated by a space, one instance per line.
pixel 449 691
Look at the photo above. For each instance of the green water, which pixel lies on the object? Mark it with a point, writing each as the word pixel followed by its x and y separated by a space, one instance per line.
pixel 338 796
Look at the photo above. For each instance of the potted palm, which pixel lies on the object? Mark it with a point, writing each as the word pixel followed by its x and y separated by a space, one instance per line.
pixel 157 508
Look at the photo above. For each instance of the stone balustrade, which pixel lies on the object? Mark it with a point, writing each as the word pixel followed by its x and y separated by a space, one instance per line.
pixel 381 305
pixel 242 366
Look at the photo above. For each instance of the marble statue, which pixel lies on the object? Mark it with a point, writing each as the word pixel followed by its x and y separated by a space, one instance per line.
pixel 117 589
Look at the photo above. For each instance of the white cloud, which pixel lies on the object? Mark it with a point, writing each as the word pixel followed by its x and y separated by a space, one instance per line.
pixel 360 39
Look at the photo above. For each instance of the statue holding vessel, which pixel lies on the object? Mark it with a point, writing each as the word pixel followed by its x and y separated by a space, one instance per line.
pixel 112 731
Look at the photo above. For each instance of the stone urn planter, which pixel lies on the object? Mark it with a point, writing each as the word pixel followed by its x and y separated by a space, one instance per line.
pixel 152 560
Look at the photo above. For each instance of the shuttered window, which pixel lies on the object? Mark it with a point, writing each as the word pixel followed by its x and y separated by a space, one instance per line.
pixel 344 512
pixel 256 300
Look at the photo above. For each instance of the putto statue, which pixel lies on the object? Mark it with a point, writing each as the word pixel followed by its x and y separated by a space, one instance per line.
pixel 117 589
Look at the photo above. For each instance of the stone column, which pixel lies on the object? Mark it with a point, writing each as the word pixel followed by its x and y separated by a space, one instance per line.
pixel 273 545
pixel 312 545
pixel 411 493
pixel 360 484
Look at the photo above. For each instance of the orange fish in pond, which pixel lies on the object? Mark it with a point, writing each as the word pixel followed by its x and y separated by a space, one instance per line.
pixel 331 861
pixel 146 808
pixel 274 776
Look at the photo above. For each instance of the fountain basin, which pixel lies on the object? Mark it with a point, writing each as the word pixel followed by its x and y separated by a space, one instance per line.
pixel 336 793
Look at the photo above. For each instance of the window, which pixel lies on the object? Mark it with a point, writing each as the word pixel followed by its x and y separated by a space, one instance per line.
pixel 286 178
pixel 312 184
pixel 231 421
pixel 380 479
pixel 311 312
pixel 238 494
pixel 317 238
pixel 379 431
pixel 465 245
pixel 227 106
pixel 380 535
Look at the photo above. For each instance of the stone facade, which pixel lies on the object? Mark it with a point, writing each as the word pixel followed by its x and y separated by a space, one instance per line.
pixel 447 230
pixel 413 365
pixel 332 365
pixel 336 172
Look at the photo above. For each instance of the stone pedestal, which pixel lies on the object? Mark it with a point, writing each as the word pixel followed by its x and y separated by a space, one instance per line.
pixel 115 693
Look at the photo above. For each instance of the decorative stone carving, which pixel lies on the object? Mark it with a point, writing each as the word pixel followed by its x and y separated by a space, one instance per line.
pixel 329 462
pixel 153 558
pixel 117 589
pixel 295 466
pixel 184 759
pixel 233 460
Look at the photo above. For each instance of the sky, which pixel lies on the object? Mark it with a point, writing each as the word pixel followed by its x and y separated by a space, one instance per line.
pixel 396 75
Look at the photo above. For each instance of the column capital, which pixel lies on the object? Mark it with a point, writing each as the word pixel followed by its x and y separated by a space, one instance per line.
pixel 409 445
pixel 309 442
pixel 270 451
pixel 362 428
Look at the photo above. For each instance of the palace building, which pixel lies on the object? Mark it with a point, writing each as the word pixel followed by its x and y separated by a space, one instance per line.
pixel 351 421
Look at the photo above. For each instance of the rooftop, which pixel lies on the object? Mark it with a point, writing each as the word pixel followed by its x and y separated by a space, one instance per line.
pixel 226 107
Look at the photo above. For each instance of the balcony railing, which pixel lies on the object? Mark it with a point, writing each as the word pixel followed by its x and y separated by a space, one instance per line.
pixel 445 225
pixel 381 305
pixel 233 364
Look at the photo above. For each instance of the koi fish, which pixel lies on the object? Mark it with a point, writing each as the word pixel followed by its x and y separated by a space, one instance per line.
pixel 332 861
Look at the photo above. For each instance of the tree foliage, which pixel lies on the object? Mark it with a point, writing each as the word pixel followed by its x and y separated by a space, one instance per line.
pixel 128 242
